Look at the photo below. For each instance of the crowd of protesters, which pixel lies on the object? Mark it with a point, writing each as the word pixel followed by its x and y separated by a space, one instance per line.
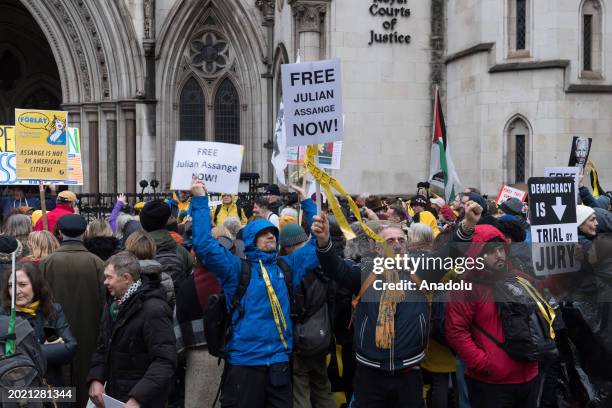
pixel 118 305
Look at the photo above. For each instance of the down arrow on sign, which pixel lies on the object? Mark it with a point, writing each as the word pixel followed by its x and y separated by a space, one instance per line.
pixel 559 208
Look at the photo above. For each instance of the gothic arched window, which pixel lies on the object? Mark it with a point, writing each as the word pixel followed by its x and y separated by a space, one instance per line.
pixel 227 113
pixel 192 106
pixel 591 36
pixel 518 158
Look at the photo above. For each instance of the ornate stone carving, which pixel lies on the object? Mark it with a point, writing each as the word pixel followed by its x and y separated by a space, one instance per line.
pixel 89 23
pixel 209 53
pixel 308 15
pixel 266 7
pixel 149 19
pixel 78 47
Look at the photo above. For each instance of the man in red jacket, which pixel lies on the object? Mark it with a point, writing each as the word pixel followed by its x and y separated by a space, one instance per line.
pixel 494 379
pixel 66 204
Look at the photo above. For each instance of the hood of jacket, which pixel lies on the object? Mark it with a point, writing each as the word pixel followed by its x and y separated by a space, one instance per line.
pixel 150 289
pixel 249 235
pixel 484 233
pixel 163 239
pixel 604 220
pixel 150 267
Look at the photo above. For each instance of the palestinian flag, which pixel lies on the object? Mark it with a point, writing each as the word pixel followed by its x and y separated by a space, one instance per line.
pixel 442 170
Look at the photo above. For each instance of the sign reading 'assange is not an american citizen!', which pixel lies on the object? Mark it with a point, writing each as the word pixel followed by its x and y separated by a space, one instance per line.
pixel 392 12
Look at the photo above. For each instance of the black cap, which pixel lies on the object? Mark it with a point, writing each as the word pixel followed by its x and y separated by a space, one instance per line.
pixel 272 189
pixel 72 225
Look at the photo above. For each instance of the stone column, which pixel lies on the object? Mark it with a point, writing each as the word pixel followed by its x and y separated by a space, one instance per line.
pixel 267 10
pixel 110 114
pixel 93 146
pixel 129 113
pixel 309 16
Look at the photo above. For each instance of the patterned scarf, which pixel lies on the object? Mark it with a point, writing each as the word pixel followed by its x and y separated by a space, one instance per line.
pixel 114 306
pixel 131 290
pixel 385 324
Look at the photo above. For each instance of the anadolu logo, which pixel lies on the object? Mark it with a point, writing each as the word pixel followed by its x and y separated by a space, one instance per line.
pixel 33 120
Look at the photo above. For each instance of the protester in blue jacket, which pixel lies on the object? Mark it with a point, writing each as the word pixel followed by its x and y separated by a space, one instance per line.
pixel 257 368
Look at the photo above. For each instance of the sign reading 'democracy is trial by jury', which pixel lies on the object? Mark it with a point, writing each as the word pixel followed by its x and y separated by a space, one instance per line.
pixel 552 212
pixel 312 96
pixel 216 164
pixel 40 138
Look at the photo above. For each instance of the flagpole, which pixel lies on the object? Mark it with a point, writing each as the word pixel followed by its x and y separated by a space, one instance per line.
pixel 318 188
pixel 9 346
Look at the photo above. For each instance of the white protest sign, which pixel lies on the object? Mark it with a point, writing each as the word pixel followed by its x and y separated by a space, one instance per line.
pixel 217 164
pixel 506 192
pixel 564 172
pixel 312 98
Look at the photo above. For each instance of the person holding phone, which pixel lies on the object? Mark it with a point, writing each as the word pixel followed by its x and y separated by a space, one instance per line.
pixel 34 303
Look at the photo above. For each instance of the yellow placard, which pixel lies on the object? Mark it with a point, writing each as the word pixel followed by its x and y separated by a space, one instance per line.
pixel 40 139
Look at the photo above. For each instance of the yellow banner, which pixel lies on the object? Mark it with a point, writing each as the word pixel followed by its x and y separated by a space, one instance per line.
pixel 40 138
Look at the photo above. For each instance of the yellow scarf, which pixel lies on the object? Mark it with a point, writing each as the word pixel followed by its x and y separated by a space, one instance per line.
pixel 31 309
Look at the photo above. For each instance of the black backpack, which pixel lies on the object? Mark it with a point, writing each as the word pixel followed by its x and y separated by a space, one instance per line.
pixel 172 264
pixel 311 315
pixel 526 319
pixel 25 368
pixel 218 317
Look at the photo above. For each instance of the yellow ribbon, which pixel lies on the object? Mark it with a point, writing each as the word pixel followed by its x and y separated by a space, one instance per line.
pixel 327 182
pixel 546 310
pixel 277 310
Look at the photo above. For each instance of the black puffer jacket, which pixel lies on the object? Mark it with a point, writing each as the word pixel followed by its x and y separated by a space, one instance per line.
pixel 102 247
pixel 136 354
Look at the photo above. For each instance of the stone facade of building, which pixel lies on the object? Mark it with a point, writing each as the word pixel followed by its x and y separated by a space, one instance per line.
pixel 138 75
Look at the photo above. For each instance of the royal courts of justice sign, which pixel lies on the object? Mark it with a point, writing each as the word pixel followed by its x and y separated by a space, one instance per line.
pixel 40 137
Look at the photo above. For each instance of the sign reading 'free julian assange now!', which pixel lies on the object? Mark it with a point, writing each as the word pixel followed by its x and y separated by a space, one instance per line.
pixel 312 96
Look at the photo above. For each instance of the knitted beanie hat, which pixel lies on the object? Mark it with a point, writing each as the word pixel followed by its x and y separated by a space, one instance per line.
pixel 512 206
pixel 292 234
pixel 583 212
pixel 154 215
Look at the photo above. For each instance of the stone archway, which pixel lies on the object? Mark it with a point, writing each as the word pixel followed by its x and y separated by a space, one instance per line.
pixel 29 76
pixel 241 25
pixel 100 87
